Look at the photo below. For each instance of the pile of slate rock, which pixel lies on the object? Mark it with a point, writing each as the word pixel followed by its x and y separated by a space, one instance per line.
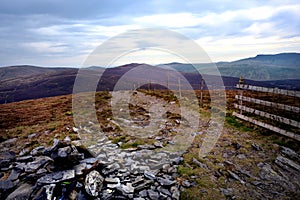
pixel 68 170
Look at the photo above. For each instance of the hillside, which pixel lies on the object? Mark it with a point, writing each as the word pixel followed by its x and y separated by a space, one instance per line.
pixel 19 83
pixel 262 67
pixel 39 140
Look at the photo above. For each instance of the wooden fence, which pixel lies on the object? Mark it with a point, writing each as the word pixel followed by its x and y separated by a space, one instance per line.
pixel 259 117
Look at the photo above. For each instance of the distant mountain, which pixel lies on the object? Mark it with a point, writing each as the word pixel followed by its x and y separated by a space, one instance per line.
pixel 29 82
pixel 262 67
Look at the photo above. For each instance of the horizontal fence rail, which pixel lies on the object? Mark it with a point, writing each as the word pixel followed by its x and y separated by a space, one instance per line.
pixel 271 90
pixel 268 115
pixel 268 103
pixel 286 130
pixel 268 126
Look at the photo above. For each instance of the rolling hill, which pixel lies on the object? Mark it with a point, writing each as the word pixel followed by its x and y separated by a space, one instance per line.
pixel 19 83
pixel 261 68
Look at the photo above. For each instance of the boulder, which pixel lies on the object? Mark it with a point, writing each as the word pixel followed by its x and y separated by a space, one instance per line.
pixel 37 151
pixel 22 192
pixel 227 192
pixel 56 177
pixel 290 153
pixel 200 164
pixel 149 175
pixel 93 183
pixel 153 194
pixel 112 182
pixel 165 182
pixel 37 163
pixel 256 147
pixel 286 163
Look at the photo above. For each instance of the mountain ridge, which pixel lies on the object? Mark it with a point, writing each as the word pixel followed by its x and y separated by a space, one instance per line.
pixel 263 67
pixel 23 82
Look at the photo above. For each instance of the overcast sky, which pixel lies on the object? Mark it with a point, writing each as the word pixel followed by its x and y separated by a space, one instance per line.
pixel 63 33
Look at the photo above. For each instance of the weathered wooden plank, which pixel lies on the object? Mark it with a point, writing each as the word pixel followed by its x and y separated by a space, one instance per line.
pixel 268 115
pixel 272 90
pixel 268 126
pixel 268 103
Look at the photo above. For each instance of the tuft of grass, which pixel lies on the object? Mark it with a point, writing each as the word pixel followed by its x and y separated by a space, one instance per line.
pixel 185 171
pixel 234 122
pixel 68 113
pixel 135 143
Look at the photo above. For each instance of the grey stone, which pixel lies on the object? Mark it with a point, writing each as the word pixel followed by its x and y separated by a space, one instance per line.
pixel 31 135
pixel 127 189
pixel 256 147
pixel 106 194
pixel 9 142
pixel 175 192
pixel 164 191
pixel 37 151
pixel 256 183
pixel 158 138
pixel 267 173
pixel 75 130
pixel 158 144
pixel 93 183
pixel 22 192
pixel 177 160
pixel 165 182
pixel 290 153
pixel 67 139
pixel 186 183
pixel 24 152
pixel 112 182
pixel 153 195
pixel 6 185
pixel 138 180
pixel 7 155
pixel 143 185
pixel 49 189
pixel 227 192
pixel 241 156
pixel 235 176
pixel 146 146
pixel 64 152
pixel 25 159
pixel 37 163
pixel 79 168
pixel 143 193
pixel 89 160
pixel 56 177
pixel 14 175
pixel 286 163
pixel 149 175
pixel 200 164
pixel 41 171
pixel 166 167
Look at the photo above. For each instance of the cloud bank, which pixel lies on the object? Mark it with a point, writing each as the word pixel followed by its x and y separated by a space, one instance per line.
pixel 63 33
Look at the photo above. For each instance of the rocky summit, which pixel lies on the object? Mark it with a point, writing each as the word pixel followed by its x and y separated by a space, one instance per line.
pixel 69 171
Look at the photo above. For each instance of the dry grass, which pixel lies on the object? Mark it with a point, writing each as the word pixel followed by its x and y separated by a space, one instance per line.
pixel 52 117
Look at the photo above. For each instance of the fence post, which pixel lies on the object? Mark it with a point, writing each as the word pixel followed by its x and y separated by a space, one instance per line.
pixel 241 81
pixel 179 87
pixel 201 92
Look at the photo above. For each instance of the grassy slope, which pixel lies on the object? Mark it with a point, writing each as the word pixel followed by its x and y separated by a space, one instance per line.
pixel 52 117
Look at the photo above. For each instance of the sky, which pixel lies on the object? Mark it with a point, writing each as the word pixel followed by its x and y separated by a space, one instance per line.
pixel 64 33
